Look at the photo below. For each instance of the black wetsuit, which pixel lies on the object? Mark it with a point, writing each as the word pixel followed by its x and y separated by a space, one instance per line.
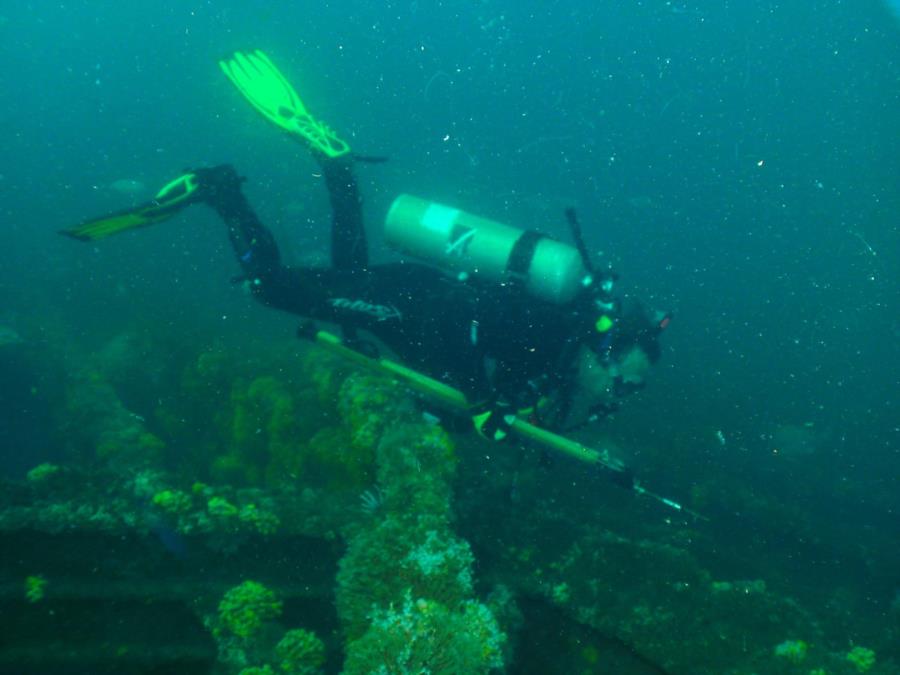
pixel 492 343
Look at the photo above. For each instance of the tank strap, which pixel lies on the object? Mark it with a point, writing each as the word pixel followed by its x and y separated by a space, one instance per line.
pixel 522 253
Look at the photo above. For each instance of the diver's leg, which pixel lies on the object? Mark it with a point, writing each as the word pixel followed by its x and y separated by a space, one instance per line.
pixel 299 290
pixel 270 92
pixel 349 249
pixel 253 243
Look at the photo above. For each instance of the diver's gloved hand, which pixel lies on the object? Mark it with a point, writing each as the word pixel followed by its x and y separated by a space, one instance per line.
pixel 623 477
pixel 494 420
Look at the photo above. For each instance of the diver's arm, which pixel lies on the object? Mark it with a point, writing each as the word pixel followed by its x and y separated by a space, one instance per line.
pixel 491 410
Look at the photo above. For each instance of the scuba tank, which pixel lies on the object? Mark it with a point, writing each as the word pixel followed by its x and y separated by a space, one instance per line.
pixel 465 244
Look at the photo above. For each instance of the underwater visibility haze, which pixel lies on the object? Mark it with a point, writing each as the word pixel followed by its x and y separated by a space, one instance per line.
pixel 188 486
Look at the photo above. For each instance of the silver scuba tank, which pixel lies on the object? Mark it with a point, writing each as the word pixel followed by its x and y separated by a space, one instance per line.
pixel 465 244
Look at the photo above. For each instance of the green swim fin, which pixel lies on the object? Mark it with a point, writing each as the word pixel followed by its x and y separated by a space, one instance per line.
pixel 168 201
pixel 263 85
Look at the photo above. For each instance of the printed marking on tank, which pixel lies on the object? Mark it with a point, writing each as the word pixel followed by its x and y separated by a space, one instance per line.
pixel 380 312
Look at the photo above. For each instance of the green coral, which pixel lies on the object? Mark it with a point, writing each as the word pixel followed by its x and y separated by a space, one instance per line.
pixel 174 502
pixel 264 522
pixel 42 472
pixel 280 422
pixel 300 652
pixel 219 507
pixel 257 670
pixel 561 593
pixel 792 650
pixel 334 463
pixel 384 563
pixel 99 426
pixel 35 587
pixel 364 402
pixel 416 464
pixel 326 371
pixel 861 658
pixel 232 469
pixel 405 589
pixel 131 440
pixel 246 608
pixel 424 636
pixel 244 420
pixel 264 426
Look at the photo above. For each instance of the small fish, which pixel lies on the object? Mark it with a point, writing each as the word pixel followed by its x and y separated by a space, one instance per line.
pixel 128 186
pixel 9 337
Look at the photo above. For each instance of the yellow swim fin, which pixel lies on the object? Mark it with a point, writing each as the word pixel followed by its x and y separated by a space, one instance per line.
pixel 263 85
pixel 168 201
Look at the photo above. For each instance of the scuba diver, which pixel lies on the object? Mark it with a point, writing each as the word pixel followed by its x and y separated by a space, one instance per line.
pixel 522 324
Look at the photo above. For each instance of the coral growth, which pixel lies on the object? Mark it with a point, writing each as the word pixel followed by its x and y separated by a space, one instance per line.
pixel 792 650
pixel 405 590
pixel 42 473
pixel 256 454
pixel 383 564
pixel 173 501
pixel 246 608
pixel 100 427
pixel 247 634
pixel 300 652
pixel 861 658
pixel 273 423
pixel 424 636
pixel 35 588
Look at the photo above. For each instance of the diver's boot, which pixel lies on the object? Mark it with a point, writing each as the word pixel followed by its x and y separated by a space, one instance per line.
pixel 174 196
